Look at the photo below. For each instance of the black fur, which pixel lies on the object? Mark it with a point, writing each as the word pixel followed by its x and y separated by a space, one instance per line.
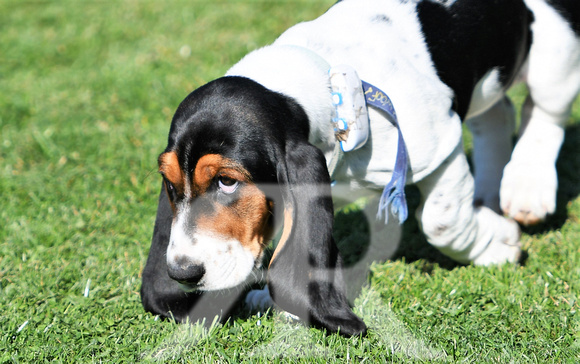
pixel 570 10
pixel 268 134
pixel 305 278
pixel 470 37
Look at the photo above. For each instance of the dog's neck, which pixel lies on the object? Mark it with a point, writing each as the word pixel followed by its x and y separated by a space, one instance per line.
pixel 299 73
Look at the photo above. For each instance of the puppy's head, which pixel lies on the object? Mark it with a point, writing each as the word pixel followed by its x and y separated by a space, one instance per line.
pixel 237 158
pixel 212 170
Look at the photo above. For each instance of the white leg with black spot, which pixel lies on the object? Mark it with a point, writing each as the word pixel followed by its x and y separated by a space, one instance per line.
pixel 458 229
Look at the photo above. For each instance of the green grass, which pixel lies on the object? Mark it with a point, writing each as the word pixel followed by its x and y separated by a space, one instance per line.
pixel 87 91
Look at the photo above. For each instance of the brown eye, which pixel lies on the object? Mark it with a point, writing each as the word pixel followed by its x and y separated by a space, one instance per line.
pixel 170 188
pixel 227 185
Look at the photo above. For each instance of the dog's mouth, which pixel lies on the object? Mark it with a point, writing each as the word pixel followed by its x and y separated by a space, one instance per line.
pixel 188 288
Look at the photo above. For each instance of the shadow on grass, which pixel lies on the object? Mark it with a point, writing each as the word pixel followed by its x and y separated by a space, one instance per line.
pixel 353 237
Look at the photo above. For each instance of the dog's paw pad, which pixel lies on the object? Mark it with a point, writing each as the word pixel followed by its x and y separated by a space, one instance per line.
pixel 528 192
pixel 259 300
pixel 528 218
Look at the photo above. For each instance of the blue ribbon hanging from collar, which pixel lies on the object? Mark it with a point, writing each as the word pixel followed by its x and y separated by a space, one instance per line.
pixel 394 192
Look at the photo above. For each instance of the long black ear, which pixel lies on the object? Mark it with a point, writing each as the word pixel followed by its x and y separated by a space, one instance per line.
pixel 305 275
pixel 162 296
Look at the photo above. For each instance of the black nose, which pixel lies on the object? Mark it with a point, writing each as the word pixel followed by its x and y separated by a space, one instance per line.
pixel 187 273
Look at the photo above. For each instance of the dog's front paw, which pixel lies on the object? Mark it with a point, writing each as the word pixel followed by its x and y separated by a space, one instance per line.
pixel 504 246
pixel 259 300
pixel 528 191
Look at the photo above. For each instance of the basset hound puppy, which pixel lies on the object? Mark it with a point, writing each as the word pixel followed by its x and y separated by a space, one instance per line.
pixel 247 153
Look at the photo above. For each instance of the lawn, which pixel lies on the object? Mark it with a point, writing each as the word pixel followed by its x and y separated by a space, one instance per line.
pixel 87 91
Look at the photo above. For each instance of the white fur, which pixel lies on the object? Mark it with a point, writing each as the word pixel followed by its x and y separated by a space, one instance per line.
pixel 380 52
pixel 331 37
pixel 393 56
pixel 528 189
pixel 227 263
pixel 457 228
pixel 276 68
pixel 486 93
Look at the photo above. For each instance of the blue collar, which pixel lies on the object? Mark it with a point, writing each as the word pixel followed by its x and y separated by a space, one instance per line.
pixel 394 192
pixel 351 98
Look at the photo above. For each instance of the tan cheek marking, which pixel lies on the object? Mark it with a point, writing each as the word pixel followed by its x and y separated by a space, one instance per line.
pixel 288 222
pixel 246 220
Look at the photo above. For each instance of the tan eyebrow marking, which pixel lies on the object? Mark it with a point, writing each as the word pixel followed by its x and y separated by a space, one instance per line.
pixel 169 167
pixel 210 165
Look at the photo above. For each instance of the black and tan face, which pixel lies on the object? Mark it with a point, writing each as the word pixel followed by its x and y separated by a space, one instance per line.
pixel 221 222
pixel 237 155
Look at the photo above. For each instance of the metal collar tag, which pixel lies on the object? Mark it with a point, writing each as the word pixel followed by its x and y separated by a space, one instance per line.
pixel 350 120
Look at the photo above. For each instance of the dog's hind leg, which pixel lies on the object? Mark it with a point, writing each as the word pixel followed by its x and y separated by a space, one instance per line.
pixel 492 134
pixel 529 184
pixel 455 226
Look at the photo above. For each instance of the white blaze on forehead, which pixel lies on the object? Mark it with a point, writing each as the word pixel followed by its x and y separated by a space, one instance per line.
pixel 226 262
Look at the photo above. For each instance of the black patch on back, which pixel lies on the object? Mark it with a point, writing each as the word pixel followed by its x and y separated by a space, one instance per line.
pixel 570 10
pixel 468 38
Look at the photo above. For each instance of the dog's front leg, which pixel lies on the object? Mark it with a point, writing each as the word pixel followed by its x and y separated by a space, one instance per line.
pixel 455 226
pixel 492 134
pixel 530 181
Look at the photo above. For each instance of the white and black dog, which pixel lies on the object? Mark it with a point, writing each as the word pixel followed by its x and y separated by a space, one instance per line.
pixel 253 146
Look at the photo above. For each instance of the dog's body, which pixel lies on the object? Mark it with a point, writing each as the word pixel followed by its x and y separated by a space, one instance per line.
pixel 440 62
